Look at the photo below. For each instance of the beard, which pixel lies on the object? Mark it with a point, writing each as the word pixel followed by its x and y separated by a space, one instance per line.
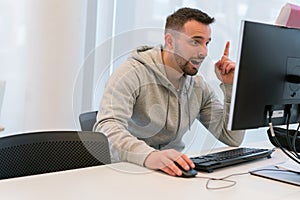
pixel 185 65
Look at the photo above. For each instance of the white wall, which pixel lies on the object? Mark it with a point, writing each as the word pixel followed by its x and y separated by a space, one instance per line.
pixel 42 46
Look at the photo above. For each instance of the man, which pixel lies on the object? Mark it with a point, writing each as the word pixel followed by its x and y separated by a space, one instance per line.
pixel 153 98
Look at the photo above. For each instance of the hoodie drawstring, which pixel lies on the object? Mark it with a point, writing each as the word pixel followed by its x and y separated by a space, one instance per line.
pixel 168 104
pixel 188 105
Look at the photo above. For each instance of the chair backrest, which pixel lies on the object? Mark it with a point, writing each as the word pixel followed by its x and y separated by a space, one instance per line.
pixel 50 151
pixel 87 120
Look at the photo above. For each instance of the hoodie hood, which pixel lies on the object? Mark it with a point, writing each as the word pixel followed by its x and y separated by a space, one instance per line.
pixel 151 58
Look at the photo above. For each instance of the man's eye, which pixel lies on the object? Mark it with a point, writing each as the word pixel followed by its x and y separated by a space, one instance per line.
pixel 194 42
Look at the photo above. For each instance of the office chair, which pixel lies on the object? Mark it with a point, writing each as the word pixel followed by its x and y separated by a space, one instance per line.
pixel 51 151
pixel 87 120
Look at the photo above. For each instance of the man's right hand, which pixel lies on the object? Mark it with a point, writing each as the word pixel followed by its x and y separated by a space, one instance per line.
pixel 164 160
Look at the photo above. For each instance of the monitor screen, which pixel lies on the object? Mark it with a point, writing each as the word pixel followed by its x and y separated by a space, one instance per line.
pixel 267 77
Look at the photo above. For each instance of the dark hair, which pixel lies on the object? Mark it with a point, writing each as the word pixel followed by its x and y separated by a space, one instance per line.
pixel 176 20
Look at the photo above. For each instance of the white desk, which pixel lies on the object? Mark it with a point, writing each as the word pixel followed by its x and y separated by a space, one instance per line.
pixel 128 181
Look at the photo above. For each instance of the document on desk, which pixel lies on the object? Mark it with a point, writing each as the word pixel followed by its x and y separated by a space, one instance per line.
pixel 273 172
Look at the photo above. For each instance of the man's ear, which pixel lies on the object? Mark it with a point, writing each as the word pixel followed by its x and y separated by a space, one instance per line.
pixel 169 41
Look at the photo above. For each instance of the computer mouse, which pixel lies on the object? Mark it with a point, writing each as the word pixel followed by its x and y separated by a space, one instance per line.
pixel 187 173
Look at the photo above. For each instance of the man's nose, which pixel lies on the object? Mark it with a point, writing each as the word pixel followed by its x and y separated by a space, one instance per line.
pixel 203 51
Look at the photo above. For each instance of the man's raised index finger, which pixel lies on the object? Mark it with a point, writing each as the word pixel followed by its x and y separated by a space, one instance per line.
pixel 226 50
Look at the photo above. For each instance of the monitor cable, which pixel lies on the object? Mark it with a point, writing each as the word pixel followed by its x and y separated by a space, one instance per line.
pixel 294 141
pixel 277 142
pixel 291 145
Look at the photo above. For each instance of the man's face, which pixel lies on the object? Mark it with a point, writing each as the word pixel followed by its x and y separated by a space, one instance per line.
pixel 190 46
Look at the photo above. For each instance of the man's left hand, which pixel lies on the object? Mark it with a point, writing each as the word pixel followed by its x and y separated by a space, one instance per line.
pixel 224 68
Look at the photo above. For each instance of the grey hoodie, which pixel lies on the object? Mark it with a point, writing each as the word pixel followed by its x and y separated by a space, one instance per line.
pixel 141 111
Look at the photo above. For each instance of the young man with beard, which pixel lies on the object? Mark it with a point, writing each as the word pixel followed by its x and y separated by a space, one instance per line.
pixel 152 99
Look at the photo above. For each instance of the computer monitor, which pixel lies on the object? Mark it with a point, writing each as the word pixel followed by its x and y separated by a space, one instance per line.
pixel 267 77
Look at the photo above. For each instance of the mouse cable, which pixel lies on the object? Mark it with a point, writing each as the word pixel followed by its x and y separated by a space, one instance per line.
pixel 224 179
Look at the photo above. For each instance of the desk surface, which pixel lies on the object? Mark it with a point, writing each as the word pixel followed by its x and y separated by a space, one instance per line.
pixel 128 181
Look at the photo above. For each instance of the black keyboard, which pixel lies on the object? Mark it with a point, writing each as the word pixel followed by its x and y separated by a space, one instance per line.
pixel 212 161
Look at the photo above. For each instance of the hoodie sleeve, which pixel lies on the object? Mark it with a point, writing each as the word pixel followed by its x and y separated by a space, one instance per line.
pixel 214 116
pixel 115 110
